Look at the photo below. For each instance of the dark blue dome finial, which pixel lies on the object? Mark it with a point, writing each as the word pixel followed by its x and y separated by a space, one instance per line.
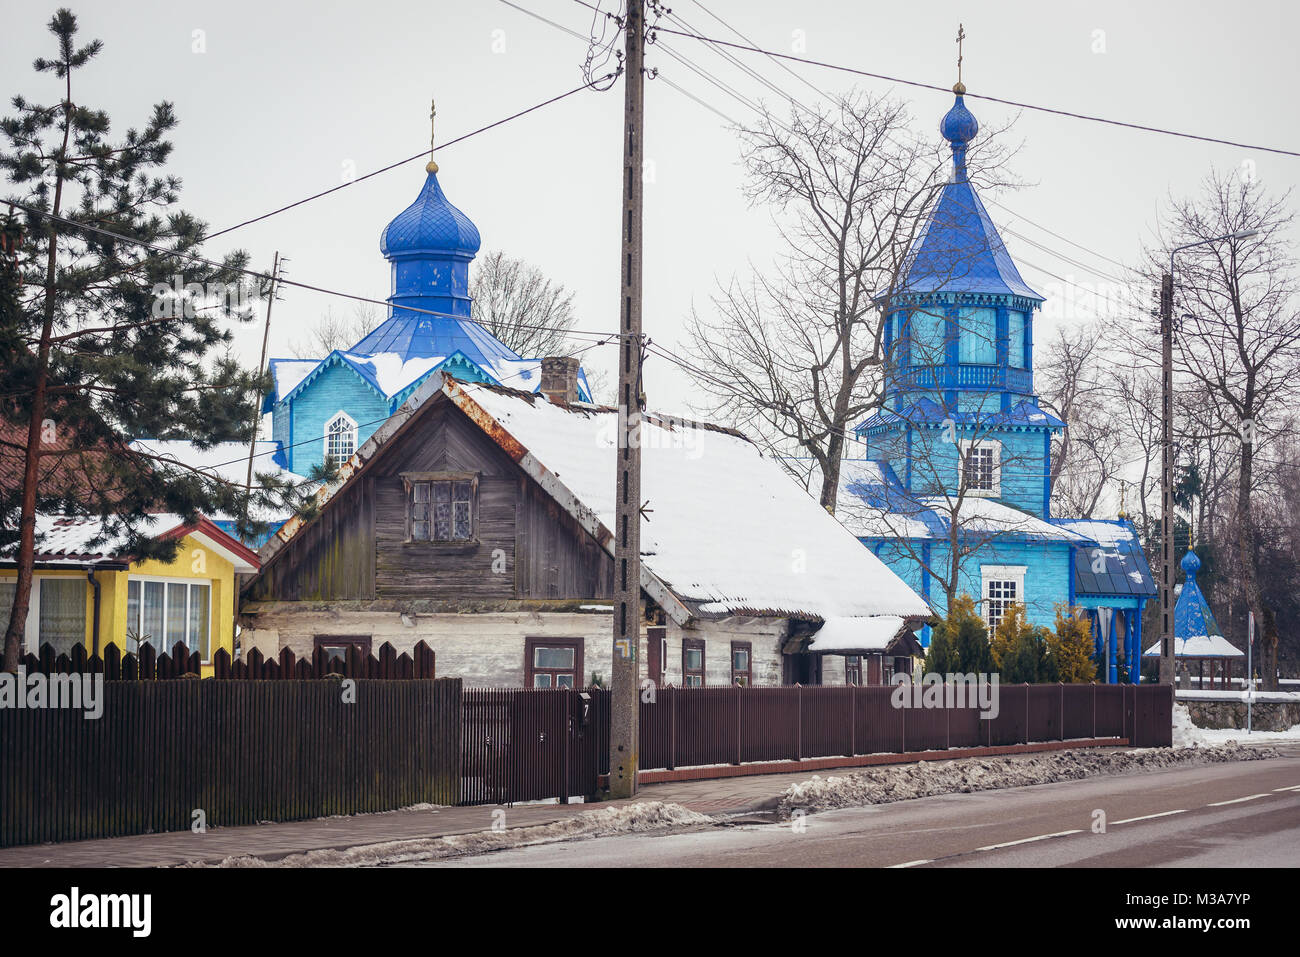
pixel 958 125
pixel 1191 564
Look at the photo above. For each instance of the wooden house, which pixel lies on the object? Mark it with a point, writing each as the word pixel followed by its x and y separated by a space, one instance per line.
pixel 478 518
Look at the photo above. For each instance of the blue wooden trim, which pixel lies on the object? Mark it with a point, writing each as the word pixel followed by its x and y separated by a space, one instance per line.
pixel 925 571
pixel 1047 474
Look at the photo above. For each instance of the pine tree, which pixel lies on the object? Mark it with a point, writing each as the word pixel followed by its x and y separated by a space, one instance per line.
pixel 959 643
pixel 1071 647
pixel 109 340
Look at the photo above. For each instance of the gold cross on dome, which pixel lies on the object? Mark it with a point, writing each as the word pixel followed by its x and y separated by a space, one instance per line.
pixel 961 35
pixel 433 113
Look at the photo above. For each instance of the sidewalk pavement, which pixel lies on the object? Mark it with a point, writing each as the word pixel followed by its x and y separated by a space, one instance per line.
pixel 271 841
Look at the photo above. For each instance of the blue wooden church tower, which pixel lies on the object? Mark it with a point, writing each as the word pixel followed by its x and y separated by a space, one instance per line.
pixel 959 456
pixel 330 406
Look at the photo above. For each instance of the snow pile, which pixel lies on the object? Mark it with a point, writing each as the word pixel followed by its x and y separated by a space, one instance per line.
pixel 1188 735
pixel 885 785
pixel 603 822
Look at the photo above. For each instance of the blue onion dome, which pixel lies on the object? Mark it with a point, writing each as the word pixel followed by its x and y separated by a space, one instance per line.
pixel 430 224
pixel 1191 564
pixel 958 125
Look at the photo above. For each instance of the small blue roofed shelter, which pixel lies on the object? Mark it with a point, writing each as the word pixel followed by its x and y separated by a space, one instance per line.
pixel 1197 636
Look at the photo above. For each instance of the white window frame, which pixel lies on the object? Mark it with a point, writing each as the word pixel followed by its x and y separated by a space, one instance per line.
pixel 167 649
pixel 352 427
pixel 964 448
pixel 1000 573
pixel 32 626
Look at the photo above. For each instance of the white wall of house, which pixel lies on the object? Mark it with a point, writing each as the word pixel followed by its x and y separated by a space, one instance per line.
pixel 487 649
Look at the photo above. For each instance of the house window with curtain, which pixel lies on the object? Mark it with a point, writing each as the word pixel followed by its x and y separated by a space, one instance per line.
pixel 441 507
pixel 62 609
pixel 978 335
pixel 553 662
pixel 742 663
pixel 161 613
pixel 692 662
pixel 340 438
pixel 853 669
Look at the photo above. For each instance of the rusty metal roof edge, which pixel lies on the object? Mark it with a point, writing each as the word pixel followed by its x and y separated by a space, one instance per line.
pixel 583 514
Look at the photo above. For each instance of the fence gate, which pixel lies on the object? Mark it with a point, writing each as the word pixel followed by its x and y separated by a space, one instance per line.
pixel 526 744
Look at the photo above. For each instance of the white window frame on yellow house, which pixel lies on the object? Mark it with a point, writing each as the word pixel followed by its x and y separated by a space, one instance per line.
pixel 163 644
pixel 32 626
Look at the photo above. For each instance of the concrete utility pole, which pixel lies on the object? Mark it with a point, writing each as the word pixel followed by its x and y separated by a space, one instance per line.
pixel 1167 520
pixel 626 672
pixel 261 367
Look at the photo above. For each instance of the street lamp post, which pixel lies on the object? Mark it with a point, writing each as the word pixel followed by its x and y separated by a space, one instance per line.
pixel 1167 454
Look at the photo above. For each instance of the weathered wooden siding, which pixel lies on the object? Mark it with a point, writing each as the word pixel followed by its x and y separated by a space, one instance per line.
pixel 330 558
pixel 556 557
pixel 526 546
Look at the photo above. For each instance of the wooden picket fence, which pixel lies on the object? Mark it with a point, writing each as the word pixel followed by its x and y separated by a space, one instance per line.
pixel 149 665
pixel 169 755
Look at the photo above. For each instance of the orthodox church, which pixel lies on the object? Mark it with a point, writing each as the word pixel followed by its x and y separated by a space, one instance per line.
pixel 330 406
pixel 954 489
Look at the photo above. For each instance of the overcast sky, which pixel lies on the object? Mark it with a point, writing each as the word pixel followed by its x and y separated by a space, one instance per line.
pixel 285 99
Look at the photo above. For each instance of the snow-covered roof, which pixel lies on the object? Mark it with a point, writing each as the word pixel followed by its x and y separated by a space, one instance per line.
pixel 728 532
pixel 1199 646
pixel 1115 565
pixel 391 374
pixel 855 635
pixel 287 373
pixel 77 541
pixel 873 504
pixel 985 516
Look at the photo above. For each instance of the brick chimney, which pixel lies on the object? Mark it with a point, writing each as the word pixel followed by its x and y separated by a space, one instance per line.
pixel 560 379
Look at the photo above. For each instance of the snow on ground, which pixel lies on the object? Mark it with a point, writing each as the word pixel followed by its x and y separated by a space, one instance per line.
pixel 903 782
pixel 1188 735
pixel 603 822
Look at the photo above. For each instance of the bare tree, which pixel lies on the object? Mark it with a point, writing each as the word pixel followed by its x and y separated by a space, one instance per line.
pixel 787 352
pixel 1238 339
pixel 1087 454
pixel 520 305
pixel 337 332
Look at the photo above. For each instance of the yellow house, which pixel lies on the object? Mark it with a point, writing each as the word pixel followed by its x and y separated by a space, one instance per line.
pixel 89 593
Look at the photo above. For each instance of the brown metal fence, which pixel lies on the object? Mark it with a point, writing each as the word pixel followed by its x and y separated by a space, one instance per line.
pixel 164 755
pixel 524 744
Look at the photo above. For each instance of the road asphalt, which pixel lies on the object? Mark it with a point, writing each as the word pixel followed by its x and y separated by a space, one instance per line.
pixel 1234 814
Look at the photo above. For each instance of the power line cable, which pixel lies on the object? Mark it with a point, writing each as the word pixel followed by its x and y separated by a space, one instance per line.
pixel 983 96
pixel 281 280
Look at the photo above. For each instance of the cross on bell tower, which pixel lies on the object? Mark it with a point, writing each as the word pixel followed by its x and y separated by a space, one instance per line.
pixel 432 167
pixel 961 35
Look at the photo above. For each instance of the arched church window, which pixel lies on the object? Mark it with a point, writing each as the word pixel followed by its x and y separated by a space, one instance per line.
pixel 340 438
pixel 979 331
